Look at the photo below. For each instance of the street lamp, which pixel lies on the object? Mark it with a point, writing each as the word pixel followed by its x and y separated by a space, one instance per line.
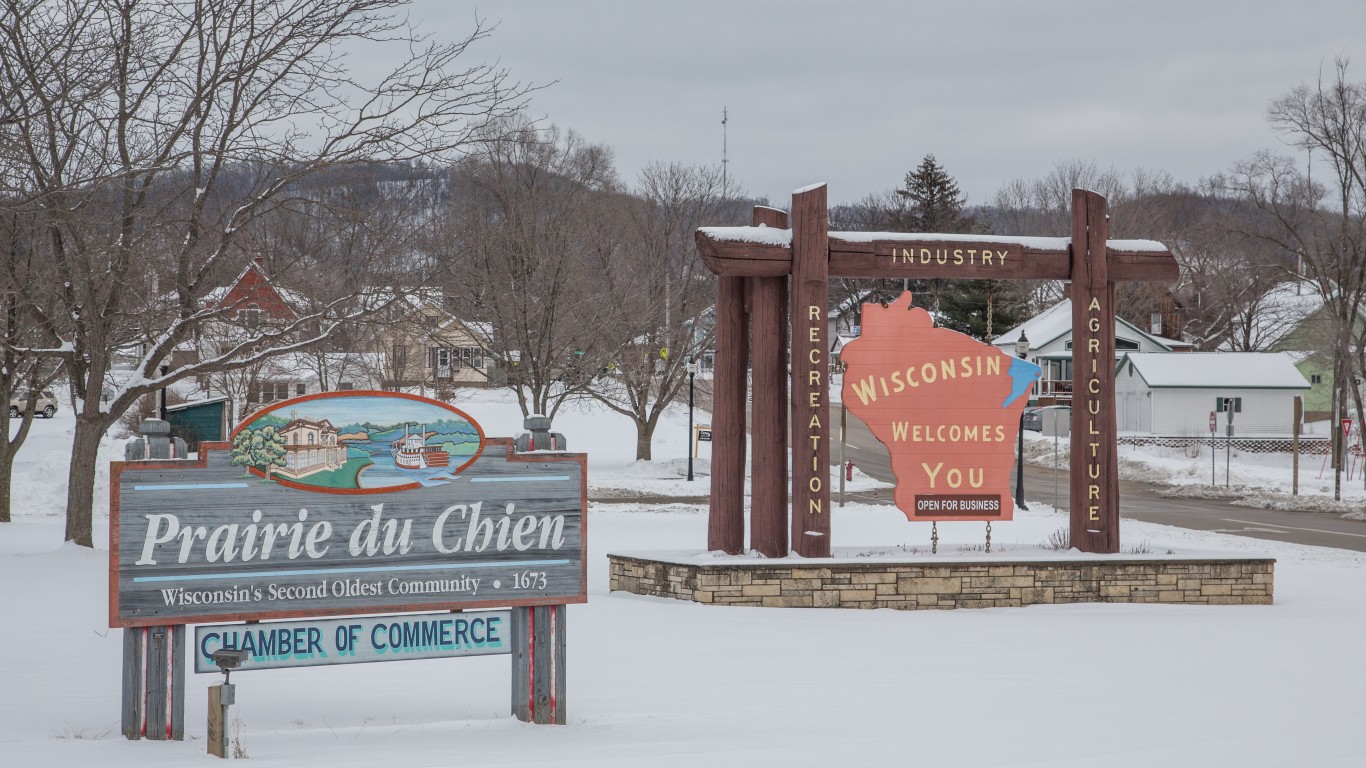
pixel 692 372
pixel 1021 350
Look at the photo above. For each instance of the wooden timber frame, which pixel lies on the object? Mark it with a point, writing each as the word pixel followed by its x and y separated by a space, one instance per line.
pixel 783 262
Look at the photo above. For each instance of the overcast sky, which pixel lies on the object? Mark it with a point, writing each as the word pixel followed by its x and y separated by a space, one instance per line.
pixel 855 93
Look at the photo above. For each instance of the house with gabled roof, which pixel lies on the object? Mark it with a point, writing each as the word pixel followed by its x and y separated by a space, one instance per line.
pixel 252 299
pixel 1049 337
pixel 1174 395
pixel 426 345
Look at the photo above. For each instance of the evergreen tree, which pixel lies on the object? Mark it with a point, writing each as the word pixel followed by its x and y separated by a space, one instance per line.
pixel 935 204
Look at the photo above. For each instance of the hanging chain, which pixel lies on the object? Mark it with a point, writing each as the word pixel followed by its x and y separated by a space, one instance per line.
pixel 988 535
pixel 934 537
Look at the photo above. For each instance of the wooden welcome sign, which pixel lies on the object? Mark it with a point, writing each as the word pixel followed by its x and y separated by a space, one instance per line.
pixel 946 406
pixel 340 504
pixel 345 503
pixel 786 261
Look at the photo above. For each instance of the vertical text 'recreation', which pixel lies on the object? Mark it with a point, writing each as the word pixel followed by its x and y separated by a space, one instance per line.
pixel 816 393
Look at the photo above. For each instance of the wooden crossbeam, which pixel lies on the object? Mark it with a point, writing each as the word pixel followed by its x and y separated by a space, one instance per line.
pixel 758 252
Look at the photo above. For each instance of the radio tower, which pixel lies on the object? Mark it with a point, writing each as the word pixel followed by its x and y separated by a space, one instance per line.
pixel 725 115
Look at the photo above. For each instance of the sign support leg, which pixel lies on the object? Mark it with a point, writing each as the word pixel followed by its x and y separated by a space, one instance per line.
pixel 1094 484
pixel 538 664
pixel 726 523
pixel 154 683
pixel 810 373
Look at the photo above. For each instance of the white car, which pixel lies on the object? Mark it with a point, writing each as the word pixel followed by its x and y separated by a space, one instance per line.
pixel 45 405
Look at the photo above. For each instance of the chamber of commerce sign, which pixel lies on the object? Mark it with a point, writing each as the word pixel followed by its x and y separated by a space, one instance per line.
pixel 346 503
pixel 320 642
pixel 946 406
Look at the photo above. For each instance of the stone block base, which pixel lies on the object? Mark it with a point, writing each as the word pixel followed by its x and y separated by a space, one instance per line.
pixel 918 585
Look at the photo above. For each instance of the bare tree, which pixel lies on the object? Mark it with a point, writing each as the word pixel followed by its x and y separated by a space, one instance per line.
pixel 1321 223
pixel 24 364
pixel 522 247
pixel 659 291
pixel 155 135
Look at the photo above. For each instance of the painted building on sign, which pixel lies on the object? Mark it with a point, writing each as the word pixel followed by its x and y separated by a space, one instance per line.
pixel 311 446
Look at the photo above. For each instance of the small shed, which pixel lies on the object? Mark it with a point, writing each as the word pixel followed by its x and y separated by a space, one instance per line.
pixel 199 421
pixel 1173 395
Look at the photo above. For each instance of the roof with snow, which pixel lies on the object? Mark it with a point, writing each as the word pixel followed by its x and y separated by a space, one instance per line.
pixel 1227 370
pixel 252 289
pixel 1056 321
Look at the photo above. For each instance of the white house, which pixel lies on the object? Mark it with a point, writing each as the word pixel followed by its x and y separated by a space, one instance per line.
pixel 1173 395
pixel 1049 334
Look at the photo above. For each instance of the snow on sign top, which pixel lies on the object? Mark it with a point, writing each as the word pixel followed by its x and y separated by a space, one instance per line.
pixel 1040 243
pixel 763 235
pixel 760 235
pixel 1233 370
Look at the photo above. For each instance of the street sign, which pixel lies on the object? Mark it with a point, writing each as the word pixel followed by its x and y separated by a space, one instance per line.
pixel 1346 428
pixel 1055 421
pixel 1213 421
pixel 704 433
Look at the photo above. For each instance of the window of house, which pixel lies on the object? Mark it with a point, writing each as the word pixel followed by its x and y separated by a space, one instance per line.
pixel 469 357
pixel 251 317
pixel 1315 378
pixel 443 357
pixel 300 389
pixel 269 391
pixel 345 386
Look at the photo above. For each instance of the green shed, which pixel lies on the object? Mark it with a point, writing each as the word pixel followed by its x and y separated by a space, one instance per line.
pixel 199 421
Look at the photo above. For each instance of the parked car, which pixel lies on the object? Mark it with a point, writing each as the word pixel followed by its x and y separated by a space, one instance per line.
pixel 46 405
pixel 1033 417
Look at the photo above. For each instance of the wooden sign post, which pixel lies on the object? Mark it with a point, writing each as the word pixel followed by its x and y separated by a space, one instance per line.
pixel 747 261
pixel 1094 508
pixel 810 373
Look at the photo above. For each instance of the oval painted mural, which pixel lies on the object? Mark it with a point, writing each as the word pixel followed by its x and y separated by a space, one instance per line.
pixel 357 442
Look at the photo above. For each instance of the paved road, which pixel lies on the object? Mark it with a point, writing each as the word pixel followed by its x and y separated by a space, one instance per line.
pixel 1138 501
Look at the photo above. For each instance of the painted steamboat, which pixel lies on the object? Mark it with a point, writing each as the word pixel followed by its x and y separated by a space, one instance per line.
pixel 412 452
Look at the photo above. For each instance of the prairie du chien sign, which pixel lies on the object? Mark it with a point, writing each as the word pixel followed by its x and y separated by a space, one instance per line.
pixel 946 406
pixel 346 503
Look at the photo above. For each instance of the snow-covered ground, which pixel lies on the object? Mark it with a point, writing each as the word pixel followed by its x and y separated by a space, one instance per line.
pixel 664 683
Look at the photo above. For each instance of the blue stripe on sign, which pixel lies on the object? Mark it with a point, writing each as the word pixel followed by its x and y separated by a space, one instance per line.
pixel 189 487
pixel 518 478
pixel 366 569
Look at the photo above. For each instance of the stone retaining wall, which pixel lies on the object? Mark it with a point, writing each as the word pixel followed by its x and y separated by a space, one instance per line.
pixel 962 584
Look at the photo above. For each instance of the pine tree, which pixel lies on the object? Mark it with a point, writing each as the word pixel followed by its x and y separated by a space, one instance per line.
pixel 935 202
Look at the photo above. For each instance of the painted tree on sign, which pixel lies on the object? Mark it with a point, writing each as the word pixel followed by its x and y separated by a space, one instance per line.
pixel 262 448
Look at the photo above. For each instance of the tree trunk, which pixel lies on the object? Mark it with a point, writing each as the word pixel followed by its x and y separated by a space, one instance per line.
pixel 645 432
pixel 80 484
pixel 6 476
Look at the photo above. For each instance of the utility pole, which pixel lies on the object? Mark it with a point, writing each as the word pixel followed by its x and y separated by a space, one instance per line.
pixel 725 117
